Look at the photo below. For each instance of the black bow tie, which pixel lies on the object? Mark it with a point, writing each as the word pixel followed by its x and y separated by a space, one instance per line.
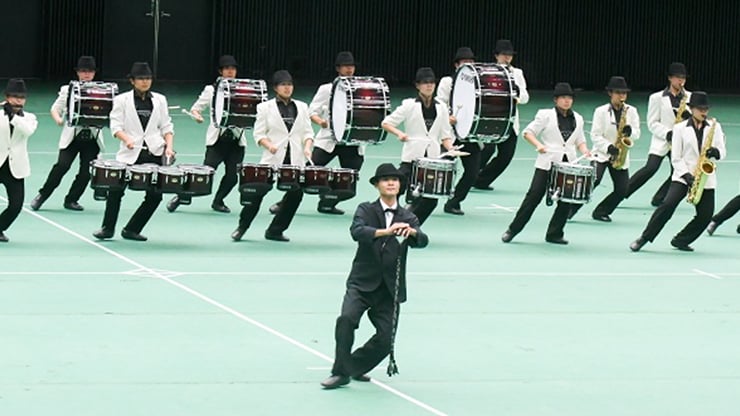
pixel 391 210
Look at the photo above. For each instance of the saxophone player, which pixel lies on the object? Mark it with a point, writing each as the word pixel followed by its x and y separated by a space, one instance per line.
pixel 615 126
pixel 665 108
pixel 694 141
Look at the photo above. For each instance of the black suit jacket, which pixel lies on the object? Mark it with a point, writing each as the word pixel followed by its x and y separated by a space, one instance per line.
pixel 376 258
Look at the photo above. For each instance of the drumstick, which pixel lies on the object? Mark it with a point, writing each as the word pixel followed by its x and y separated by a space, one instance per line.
pixel 174 107
pixel 457 109
pixel 184 111
pixel 585 155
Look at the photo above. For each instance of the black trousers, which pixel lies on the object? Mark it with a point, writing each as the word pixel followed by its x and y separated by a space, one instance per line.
pixel 490 171
pixel 379 307
pixel 648 171
pixel 728 211
pixel 422 207
pixel 532 199
pixel 620 179
pixel 471 167
pixel 145 211
pixel 349 157
pixel 226 150
pixel 281 221
pixel 692 230
pixel 15 190
pixel 87 149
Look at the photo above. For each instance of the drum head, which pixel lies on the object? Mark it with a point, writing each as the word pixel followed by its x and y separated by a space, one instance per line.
pixel 338 107
pixel 72 111
pixel 463 103
pixel 217 106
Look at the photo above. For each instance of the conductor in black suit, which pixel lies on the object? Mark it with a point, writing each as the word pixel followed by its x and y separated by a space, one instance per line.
pixel 377 281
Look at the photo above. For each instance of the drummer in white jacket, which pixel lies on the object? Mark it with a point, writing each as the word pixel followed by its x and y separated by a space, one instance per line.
pixel 427 128
pixel 560 132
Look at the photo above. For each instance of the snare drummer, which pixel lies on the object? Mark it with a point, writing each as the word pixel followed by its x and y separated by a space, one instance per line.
pixel 141 121
pixel 427 127
pixel 85 141
pixel 223 144
pixel 490 171
pixel 283 130
pixel 607 120
pixel 470 163
pixel 560 131
pixel 16 125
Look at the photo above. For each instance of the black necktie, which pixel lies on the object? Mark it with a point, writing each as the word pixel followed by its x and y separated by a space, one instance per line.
pixel 391 210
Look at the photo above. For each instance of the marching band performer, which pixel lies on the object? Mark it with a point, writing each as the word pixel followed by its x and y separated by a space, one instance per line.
pixel 427 127
pixel 663 108
pixel 613 123
pixel 561 132
pixel 223 144
pixel 377 281
pixel 141 121
pixel 283 130
pixel 490 171
pixel 725 214
pixel 690 147
pixel 16 126
pixel 470 163
pixel 85 141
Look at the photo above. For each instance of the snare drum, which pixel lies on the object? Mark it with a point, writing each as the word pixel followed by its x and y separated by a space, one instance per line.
pixel 235 102
pixel 344 180
pixel 482 101
pixel 571 182
pixel 107 174
pixel 142 177
pixel 432 178
pixel 357 107
pixel 170 180
pixel 288 177
pixel 89 103
pixel 316 179
pixel 198 179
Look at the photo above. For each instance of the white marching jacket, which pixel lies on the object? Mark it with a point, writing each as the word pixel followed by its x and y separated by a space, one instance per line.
pixel 270 125
pixel 203 103
pixel 124 118
pixel 604 130
pixel 14 148
pixel 545 127
pixel 685 153
pixel 68 133
pixel 660 120
pixel 420 143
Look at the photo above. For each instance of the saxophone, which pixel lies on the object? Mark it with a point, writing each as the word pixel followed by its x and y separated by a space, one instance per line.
pixel 704 168
pixel 622 143
pixel 681 109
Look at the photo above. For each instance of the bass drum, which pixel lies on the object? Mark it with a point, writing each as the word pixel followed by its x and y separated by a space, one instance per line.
pixel 357 107
pixel 235 102
pixel 89 103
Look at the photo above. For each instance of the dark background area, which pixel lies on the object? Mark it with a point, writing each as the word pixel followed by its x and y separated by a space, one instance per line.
pixel 580 41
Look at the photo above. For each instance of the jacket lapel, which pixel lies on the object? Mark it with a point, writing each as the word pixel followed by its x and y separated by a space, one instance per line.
pixel 134 123
pixel 279 123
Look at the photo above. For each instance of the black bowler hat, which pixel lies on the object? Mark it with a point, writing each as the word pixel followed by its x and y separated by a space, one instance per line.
pixel 617 84
pixel 140 70
pixel 505 47
pixel 227 60
pixel 85 63
pixel 425 74
pixel 563 88
pixel 344 58
pixel 677 69
pixel 280 77
pixel 464 53
pixel 699 99
pixel 386 170
pixel 16 87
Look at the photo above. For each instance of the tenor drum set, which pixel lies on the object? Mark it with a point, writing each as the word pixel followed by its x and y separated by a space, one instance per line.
pixel 186 179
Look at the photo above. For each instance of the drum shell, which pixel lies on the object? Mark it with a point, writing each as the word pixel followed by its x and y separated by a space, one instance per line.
pixel 107 174
pixel 288 177
pixel 344 180
pixel 89 103
pixel 432 178
pixel 170 180
pixel 142 177
pixel 198 180
pixel 316 179
pixel 358 106
pixel 572 183
pixel 255 178
pixel 235 102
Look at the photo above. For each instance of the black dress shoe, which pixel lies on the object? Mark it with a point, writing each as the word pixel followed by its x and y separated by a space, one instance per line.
pixel 362 377
pixel 276 237
pixel 335 381
pixel 37 201
pixel 483 187
pixel 220 207
pixel 274 208
pixel 601 217
pixel 329 210
pixel 681 246
pixel 637 244
pixel 738 229
pixel 238 234
pixel 103 234
pixel 507 236
pixel 712 227
pixel 130 235
pixel 3 238
pixel 73 206
pixel 173 204
pixel 453 210
pixel 559 240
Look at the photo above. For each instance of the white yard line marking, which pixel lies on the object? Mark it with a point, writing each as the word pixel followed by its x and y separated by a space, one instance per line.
pixel 713 276
pixel 497 206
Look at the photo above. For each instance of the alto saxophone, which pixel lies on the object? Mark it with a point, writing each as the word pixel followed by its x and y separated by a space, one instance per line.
pixel 623 143
pixel 704 168
pixel 681 109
